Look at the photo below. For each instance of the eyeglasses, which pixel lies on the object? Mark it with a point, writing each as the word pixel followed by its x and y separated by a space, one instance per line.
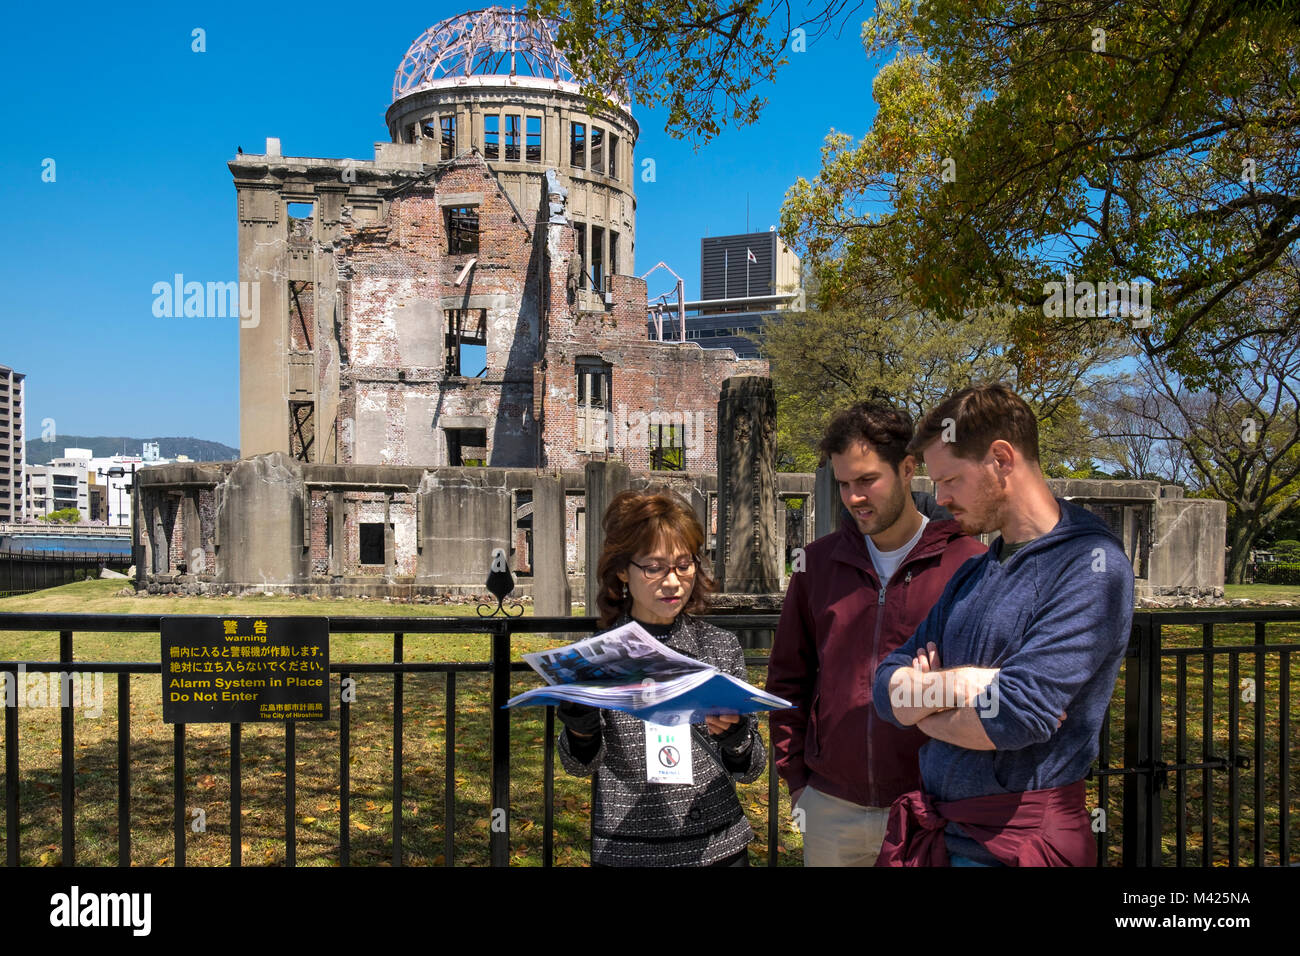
pixel 657 572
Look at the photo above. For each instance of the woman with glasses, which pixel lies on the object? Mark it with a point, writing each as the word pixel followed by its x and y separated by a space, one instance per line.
pixel 650 572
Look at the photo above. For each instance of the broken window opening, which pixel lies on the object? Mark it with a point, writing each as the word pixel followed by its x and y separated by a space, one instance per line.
pixel 597 258
pixel 413 133
pixel 372 542
pixel 302 314
pixel 466 342
pixel 578 145
pixel 597 150
pixel 448 137
pixel 613 156
pixel 462 229
pixel 302 429
pixel 594 389
pixel 667 451
pixel 582 252
pixel 512 137
pixel 613 253
pixel 429 129
pixel 491 136
pixel 533 146
pixel 467 447
pixel 301 217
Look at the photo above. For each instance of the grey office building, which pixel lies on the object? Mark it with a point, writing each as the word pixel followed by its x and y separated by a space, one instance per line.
pixel 11 444
pixel 745 280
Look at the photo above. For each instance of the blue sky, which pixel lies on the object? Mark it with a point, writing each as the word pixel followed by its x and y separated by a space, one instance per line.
pixel 140 129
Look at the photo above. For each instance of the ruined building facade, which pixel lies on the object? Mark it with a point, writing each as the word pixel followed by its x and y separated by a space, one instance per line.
pixel 496 229
pixel 501 216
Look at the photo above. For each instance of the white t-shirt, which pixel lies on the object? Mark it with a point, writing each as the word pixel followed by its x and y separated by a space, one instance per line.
pixel 887 562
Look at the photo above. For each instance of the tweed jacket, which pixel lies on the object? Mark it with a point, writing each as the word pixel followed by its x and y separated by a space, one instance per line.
pixel 636 823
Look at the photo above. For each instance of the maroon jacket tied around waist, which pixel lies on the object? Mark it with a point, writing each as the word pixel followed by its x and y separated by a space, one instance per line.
pixel 1035 828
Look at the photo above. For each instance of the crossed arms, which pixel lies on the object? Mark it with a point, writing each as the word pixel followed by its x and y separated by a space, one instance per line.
pixel 941 703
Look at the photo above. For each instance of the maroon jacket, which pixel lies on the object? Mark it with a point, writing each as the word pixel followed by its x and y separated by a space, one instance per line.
pixel 1036 828
pixel 836 627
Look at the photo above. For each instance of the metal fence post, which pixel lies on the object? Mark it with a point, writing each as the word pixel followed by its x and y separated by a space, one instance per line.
pixel 1142 742
pixel 499 819
pixel 1137 742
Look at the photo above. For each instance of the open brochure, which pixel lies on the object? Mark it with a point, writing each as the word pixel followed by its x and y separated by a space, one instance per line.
pixel 627 669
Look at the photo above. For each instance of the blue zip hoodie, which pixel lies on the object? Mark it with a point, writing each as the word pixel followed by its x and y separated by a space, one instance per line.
pixel 1056 620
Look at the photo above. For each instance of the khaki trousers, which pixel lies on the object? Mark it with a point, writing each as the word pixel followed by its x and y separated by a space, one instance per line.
pixel 837 832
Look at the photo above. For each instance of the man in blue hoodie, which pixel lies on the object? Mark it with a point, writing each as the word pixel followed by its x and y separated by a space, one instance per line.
pixel 1011 672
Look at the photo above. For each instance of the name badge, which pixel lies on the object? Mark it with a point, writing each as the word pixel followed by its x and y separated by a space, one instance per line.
pixel 668 754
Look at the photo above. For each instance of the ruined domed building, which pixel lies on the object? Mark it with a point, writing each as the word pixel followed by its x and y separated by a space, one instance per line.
pixel 466 298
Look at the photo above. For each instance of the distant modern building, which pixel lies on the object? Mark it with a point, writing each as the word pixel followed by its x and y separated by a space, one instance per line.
pixel 63 483
pixel 11 444
pixel 745 279
pixel 99 488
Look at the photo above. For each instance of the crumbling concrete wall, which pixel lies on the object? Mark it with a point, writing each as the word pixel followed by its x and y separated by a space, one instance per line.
pixel 260 521
pixel 271 523
pixel 1188 543
pixel 651 384
pixel 463 518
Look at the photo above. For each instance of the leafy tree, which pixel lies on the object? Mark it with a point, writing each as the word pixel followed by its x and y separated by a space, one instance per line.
pixel 1018 142
pixel 1132 424
pixel 700 61
pixel 62 516
pixel 872 345
pixel 1242 443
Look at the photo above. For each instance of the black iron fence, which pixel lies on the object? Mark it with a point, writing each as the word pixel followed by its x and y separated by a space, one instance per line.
pixel 1167 761
pixel 24 571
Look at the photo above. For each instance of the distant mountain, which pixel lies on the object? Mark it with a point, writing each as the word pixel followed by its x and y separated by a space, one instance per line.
pixel 42 452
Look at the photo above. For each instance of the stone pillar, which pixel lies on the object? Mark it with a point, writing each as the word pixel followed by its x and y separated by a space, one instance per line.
pixel 161 543
pixel 826 502
pixel 747 486
pixel 604 480
pixel 778 536
pixel 390 547
pixel 261 522
pixel 192 533
pixel 551 594
pixel 700 505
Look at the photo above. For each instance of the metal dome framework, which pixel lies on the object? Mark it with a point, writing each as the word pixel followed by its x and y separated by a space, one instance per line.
pixel 490 42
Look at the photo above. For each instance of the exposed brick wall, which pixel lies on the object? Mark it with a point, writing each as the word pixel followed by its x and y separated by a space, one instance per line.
pixel 402 263
pixel 390 403
pixel 652 383
pixel 320 543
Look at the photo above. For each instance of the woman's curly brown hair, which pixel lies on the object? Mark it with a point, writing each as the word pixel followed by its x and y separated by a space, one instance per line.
pixel 633 522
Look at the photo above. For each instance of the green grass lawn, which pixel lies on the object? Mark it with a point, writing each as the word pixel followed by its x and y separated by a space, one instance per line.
pixel 1262 592
pixel 317 760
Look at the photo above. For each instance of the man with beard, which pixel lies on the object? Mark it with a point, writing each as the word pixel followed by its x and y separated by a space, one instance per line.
pixel 863 592
pixel 1011 673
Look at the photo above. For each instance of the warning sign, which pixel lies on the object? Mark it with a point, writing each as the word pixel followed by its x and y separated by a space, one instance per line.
pixel 235 670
